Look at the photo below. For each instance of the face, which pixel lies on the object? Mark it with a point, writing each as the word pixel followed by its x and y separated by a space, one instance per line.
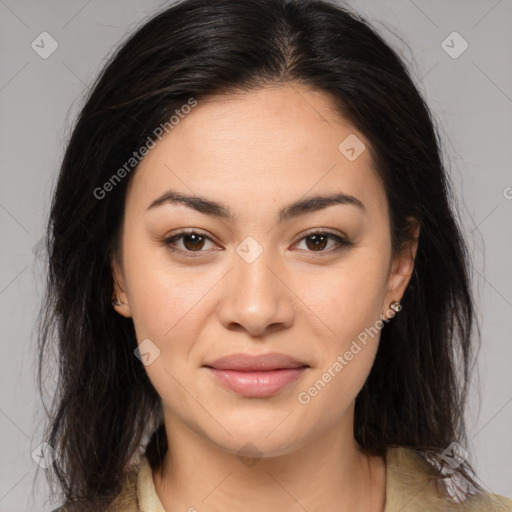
pixel 252 275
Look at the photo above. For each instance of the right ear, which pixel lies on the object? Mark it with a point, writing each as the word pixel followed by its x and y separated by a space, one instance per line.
pixel 119 292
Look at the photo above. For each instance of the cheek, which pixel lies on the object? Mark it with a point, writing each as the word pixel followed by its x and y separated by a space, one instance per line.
pixel 348 339
pixel 346 303
pixel 347 299
pixel 332 390
pixel 165 299
pixel 168 308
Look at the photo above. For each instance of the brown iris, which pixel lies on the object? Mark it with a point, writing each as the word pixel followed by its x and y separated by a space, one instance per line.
pixel 319 241
pixel 197 241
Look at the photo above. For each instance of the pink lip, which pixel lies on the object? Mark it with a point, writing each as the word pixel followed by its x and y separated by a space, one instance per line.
pixel 256 376
pixel 257 384
pixel 247 362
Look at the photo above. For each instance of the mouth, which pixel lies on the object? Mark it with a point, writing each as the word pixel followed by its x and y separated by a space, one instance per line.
pixel 256 376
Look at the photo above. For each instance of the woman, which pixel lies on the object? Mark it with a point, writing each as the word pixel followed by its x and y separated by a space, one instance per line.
pixel 254 262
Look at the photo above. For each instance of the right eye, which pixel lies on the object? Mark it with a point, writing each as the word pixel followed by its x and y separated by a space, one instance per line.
pixel 193 241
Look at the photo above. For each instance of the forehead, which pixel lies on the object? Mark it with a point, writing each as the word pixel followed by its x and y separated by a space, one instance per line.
pixel 266 146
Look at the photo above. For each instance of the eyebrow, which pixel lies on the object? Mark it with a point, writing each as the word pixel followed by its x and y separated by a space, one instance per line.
pixel 295 209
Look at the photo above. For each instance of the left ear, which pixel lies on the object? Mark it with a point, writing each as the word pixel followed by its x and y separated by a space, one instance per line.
pixel 119 288
pixel 402 266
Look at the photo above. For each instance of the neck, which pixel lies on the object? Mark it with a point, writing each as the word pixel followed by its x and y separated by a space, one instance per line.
pixel 327 473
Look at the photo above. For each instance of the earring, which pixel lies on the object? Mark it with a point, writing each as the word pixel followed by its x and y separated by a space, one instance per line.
pixel 396 306
pixel 116 302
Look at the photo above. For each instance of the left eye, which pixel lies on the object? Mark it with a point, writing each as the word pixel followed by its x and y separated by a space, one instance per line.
pixel 318 240
pixel 194 242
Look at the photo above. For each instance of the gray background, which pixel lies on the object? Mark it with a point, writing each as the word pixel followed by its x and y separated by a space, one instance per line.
pixel 470 97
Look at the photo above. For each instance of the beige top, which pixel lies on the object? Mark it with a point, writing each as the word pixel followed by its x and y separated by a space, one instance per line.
pixel 410 487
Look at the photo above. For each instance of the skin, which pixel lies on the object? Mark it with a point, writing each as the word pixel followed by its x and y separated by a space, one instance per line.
pixel 257 152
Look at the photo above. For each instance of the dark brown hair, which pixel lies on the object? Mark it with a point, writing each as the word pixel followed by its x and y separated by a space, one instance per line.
pixel 415 393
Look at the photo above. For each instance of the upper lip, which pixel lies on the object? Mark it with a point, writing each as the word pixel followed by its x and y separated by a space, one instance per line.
pixel 248 362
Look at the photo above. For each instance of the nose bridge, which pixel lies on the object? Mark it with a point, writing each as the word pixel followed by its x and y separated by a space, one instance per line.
pixel 252 273
pixel 255 298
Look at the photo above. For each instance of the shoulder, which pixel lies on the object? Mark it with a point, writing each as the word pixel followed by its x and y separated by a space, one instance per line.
pixel 125 501
pixel 412 485
pixel 501 503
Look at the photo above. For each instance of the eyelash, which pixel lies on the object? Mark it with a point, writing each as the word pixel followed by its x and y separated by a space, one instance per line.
pixel 168 242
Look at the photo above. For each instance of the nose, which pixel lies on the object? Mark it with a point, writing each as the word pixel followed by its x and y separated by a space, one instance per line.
pixel 255 297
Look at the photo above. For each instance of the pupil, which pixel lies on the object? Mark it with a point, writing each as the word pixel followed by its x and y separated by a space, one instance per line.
pixel 316 241
pixel 195 244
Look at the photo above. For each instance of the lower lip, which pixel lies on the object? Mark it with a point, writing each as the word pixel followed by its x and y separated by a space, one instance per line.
pixel 260 383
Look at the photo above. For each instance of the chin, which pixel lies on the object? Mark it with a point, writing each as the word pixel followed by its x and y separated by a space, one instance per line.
pixel 258 438
pixel 248 446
